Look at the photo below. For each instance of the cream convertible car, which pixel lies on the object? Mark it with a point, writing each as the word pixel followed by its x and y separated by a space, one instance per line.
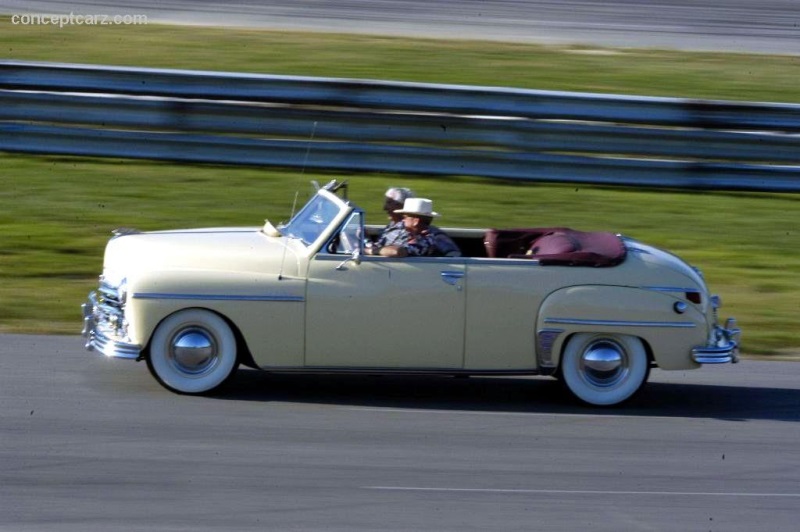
pixel 593 309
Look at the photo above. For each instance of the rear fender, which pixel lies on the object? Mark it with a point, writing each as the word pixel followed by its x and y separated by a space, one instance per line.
pixel 646 314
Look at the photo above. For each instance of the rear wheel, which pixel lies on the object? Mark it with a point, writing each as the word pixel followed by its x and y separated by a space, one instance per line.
pixel 604 369
pixel 193 351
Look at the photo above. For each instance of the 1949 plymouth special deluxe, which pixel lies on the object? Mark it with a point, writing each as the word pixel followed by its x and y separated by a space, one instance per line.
pixel 595 310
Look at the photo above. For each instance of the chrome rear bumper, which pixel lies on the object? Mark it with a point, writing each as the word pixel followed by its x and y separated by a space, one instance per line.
pixel 724 347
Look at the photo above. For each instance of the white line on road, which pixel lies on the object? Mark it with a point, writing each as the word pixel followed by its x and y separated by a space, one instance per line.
pixel 585 492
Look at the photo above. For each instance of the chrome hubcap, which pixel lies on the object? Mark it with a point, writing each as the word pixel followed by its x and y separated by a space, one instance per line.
pixel 193 351
pixel 604 363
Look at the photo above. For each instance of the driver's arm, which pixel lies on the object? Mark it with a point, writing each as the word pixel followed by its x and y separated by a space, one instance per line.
pixel 391 251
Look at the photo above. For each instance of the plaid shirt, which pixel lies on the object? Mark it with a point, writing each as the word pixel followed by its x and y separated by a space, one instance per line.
pixel 432 242
pixel 394 234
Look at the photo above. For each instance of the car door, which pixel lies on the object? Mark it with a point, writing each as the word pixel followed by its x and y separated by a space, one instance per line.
pixel 381 312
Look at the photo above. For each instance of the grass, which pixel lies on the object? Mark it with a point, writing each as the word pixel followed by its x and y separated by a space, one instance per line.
pixel 57 212
pixel 622 71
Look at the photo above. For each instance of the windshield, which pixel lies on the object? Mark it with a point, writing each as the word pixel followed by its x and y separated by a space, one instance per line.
pixel 312 220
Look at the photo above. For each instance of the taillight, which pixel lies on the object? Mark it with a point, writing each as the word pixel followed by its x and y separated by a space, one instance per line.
pixel 694 297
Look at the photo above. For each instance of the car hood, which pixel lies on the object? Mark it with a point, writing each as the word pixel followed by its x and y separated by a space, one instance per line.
pixel 214 249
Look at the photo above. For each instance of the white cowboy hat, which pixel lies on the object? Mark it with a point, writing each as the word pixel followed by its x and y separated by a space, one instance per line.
pixel 418 207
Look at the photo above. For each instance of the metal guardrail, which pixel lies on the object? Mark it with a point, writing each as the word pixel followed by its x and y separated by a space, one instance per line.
pixel 361 125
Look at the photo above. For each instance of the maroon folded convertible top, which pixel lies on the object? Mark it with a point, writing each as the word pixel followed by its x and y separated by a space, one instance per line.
pixel 556 246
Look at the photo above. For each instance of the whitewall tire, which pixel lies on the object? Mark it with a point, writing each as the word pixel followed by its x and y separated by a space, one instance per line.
pixel 604 369
pixel 193 351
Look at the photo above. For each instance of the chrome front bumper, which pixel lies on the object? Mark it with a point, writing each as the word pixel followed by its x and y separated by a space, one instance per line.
pixel 723 348
pixel 101 330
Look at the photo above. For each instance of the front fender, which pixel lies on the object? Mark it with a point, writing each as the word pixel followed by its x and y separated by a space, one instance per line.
pixel 268 310
pixel 646 314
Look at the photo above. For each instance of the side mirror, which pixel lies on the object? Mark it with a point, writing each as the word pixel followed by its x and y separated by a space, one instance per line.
pixel 355 258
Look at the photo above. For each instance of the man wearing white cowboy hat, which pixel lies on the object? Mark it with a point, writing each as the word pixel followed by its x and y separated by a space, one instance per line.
pixel 424 239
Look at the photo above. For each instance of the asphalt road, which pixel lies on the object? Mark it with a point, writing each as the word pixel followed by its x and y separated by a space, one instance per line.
pixel 771 26
pixel 88 443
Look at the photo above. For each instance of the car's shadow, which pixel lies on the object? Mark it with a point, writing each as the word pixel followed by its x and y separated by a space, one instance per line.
pixel 506 394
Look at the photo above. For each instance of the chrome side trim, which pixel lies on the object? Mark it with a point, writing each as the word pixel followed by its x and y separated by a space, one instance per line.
pixel 215 297
pixel 621 323
pixel 670 289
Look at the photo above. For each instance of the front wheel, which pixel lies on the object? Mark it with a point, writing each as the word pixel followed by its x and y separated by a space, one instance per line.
pixel 192 351
pixel 604 369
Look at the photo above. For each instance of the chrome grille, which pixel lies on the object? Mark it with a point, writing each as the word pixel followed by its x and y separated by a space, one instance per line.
pixel 109 296
pixel 104 325
pixel 108 309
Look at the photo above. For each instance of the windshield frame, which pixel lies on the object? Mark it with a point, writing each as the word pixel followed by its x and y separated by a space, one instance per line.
pixel 322 214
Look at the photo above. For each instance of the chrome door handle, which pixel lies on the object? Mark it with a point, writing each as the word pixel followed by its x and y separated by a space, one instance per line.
pixel 452 278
